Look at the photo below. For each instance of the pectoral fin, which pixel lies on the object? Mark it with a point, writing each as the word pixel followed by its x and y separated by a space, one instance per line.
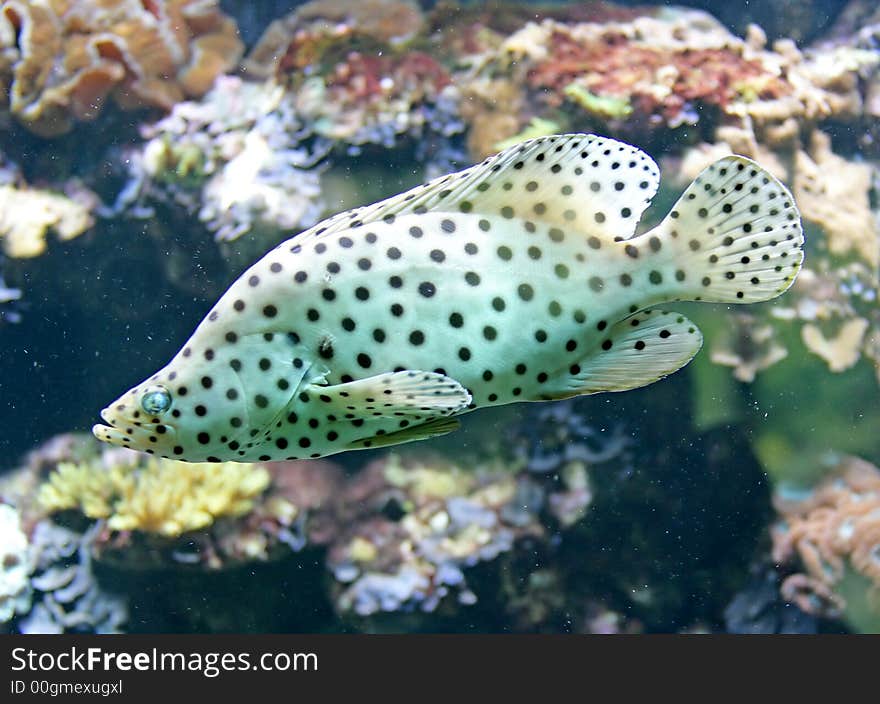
pixel 423 431
pixel 637 351
pixel 416 395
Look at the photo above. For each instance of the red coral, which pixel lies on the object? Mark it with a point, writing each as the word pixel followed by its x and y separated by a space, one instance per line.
pixel 363 77
pixel 614 67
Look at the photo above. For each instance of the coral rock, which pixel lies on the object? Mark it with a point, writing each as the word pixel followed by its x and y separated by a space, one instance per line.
pixel 389 22
pixel 27 214
pixel 15 588
pixel 834 193
pixel 64 58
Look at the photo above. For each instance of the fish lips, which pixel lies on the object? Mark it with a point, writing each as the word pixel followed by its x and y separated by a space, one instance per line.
pixel 126 434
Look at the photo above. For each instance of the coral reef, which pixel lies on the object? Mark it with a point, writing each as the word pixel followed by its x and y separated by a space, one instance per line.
pixel 63 59
pixel 351 77
pixel 589 515
pixel 451 518
pixel 834 193
pixel 391 22
pixel 163 497
pixel 15 572
pixel 156 513
pixel 68 597
pixel 236 159
pixel 833 532
pixel 27 214
pixel 648 66
pixel 367 99
pixel 560 434
pixel 654 73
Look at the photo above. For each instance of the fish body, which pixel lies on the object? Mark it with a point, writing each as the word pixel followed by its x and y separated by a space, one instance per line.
pixel 519 279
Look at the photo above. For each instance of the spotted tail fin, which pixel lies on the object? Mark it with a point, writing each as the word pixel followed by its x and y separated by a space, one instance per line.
pixel 734 236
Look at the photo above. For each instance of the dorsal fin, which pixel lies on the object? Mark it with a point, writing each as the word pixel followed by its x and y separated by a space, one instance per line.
pixel 593 185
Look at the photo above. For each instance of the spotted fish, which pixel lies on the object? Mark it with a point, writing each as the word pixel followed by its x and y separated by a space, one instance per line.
pixel 518 279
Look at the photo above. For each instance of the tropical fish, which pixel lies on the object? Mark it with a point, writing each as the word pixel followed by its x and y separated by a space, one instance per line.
pixel 518 279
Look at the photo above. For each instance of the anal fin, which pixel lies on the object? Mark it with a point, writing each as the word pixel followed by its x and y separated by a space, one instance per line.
pixel 637 351
pixel 416 395
pixel 423 431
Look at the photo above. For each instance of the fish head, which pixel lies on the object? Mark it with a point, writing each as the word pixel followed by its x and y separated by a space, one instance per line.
pixel 187 411
pixel 215 400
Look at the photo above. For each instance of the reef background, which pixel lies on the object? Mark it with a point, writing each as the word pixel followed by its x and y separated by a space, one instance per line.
pixel 147 156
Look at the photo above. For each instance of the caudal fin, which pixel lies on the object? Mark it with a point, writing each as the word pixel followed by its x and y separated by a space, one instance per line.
pixel 734 236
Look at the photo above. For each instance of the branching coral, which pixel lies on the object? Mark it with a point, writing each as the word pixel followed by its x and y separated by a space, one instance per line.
pixel 832 531
pixel 162 497
pixel 63 58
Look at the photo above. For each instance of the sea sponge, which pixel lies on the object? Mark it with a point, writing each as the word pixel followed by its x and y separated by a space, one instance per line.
pixel 63 58
pixel 159 496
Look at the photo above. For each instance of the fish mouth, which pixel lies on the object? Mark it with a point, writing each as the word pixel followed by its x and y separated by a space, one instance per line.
pixel 109 433
pixel 119 432
pixel 106 433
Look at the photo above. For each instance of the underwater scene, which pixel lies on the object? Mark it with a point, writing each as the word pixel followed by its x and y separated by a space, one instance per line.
pixel 403 317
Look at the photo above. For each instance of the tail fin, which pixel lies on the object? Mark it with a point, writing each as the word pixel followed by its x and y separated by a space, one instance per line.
pixel 734 236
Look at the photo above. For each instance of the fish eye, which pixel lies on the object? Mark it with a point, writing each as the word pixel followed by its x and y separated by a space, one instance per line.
pixel 156 400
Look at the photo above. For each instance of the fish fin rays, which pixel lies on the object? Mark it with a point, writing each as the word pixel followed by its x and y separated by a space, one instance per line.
pixel 423 431
pixel 637 351
pixel 735 235
pixel 580 182
pixel 410 394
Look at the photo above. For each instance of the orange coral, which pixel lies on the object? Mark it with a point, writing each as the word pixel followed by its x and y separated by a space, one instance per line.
pixel 63 58
pixel 837 527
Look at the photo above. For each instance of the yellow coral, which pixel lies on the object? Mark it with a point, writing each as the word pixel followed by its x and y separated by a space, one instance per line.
pixel 425 482
pixel 85 487
pixel 26 215
pixel 841 351
pixel 159 496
